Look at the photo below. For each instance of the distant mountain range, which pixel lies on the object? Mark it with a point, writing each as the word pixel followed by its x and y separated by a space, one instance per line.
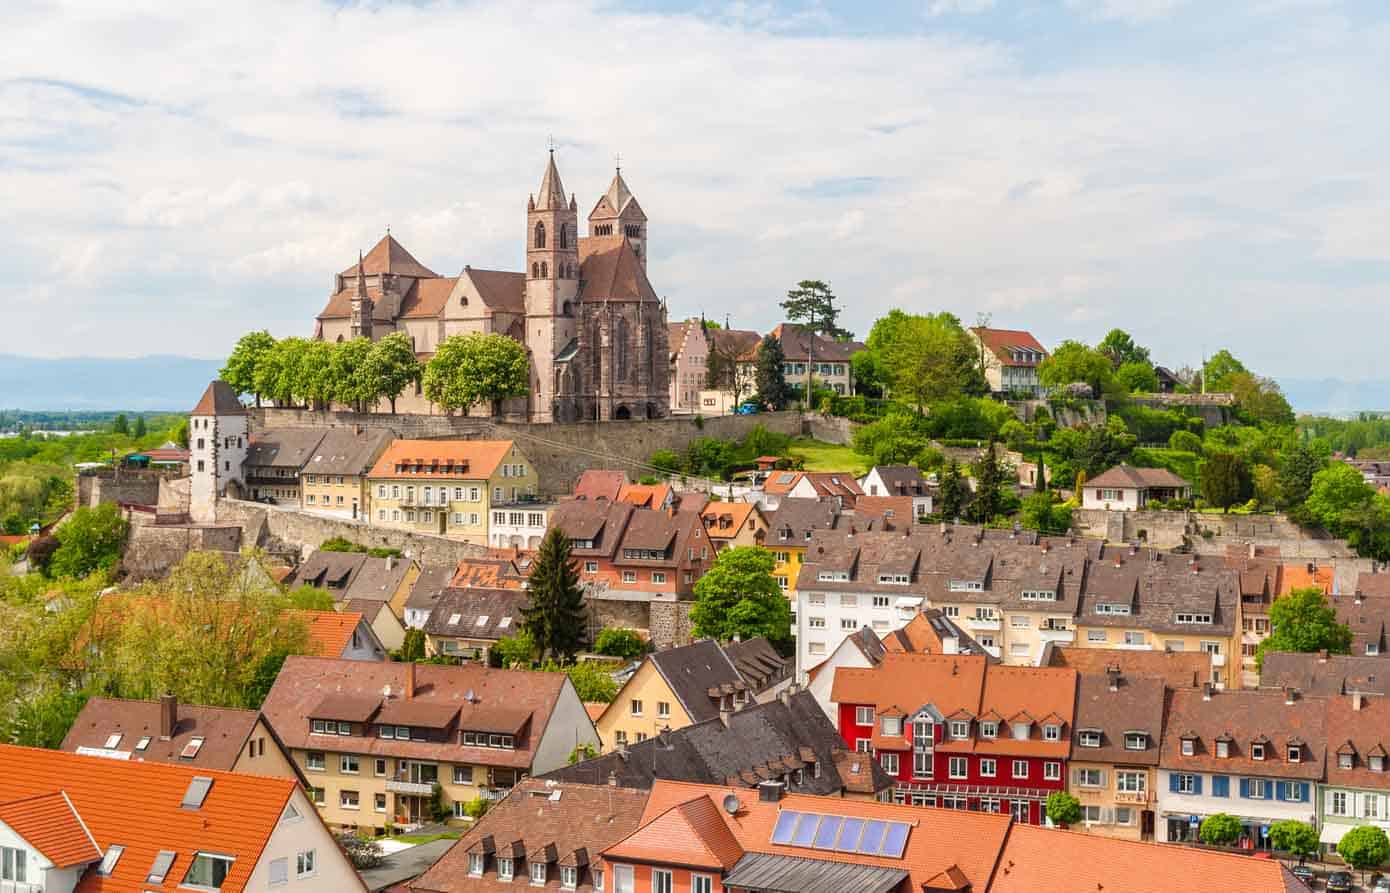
pixel 146 384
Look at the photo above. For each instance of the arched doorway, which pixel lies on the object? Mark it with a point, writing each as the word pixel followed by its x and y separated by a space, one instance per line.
pixel 622 413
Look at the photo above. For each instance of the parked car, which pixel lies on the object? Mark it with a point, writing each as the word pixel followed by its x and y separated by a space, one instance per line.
pixel 1339 882
pixel 1304 874
pixel 1380 884
pixel 747 409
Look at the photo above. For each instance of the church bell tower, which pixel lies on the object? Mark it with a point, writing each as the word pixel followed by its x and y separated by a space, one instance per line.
pixel 552 284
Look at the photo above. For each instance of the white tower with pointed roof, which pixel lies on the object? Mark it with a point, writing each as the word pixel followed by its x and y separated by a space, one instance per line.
pixel 552 285
pixel 618 213
pixel 219 435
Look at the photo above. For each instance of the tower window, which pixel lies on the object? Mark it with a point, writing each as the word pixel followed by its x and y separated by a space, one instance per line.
pixel 535 274
pixel 540 235
pixel 545 272
pixel 564 235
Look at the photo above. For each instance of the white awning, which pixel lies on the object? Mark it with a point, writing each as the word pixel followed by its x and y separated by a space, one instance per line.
pixel 1332 833
pixel 908 601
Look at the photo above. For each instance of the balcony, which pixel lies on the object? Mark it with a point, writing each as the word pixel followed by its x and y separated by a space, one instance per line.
pixel 1218 660
pixel 1057 635
pixel 991 623
pixel 19 886
pixel 1139 798
pixel 396 786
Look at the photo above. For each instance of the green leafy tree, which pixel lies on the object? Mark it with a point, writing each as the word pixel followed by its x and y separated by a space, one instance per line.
pixel 591 681
pixel 870 378
pixel 278 370
pixel 990 477
pixel 138 430
pixel 412 647
pixel 771 376
pixel 1265 482
pixel 951 499
pixel 240 368
pixel 1217 371
pixel 1335 493
pixel 665 461
pixel 1137 378
pixel 1225 479
pixel 812 305
pixel 1296 470
pixel 120 425
pixel 515 651
pixel 316 374
pixel 1303 621
pixel 1295 838
pixel 1119 348
pixel 1043 513
pixel 179 434
pixel 929 359
pixel 1072 362
pixel 738 596
pixel 1219 829
pixel 1185 441
pixel 392 366
pixel 470 369
pixel 44 717
pixel 892 440
pixel 1062 808
pixel 310 598
pixel 624 643
pixel 555 616
pixel 1259 400
pixel 1364 847
pixel 90 540
pixel 352 385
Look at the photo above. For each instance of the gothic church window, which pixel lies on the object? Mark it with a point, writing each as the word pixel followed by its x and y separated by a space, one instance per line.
pixel 540 235
pixel 545 271
pixel 535 271
pixel 620 350
pixel 564 235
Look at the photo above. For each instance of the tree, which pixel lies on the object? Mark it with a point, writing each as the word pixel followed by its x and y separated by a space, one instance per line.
pixel 470 369
pixel 412 648
pixel 179 434
pixel 1072 362
pixel 139 430
pixel 1303 621
pixel 929 359
pixel 1363 847
pixel 1185 441
pixel 1225 479
pixel 352 385
pixel 812 305
pixel 1119 348
pixel 554 619
pixel 40 552
pixel 90 540
pixel 1063 808
pixel 278 373
pixel 990 475
pixel 1296 471
pixel 240 368
pixel 1219 829
pixel 310 598
pixel 515 651
pixel 316 374
pixel 1265 481
pixel 391 365
pixel 1137 378
pixel 1217 371
pixel 1259 399
pixel 624 643
pixel 870 378
pixel 738 596
pixel 1042 513
pixel 771 376
pixel 1335 492
pixel 951 499
pixel 119 425
pixel 591 682
pixel 1295 838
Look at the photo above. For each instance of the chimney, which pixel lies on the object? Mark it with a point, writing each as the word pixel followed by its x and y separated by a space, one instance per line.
pixel 1357 699
pixel 1252 550
pixel 390 562
pixel 771 791
pixel 785 696
pixel 1322 656
pixel 168 716
pixel 410 680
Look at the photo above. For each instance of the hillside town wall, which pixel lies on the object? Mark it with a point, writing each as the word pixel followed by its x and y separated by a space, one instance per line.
pixel 129 485
pixel 153 549
pixel 1209 533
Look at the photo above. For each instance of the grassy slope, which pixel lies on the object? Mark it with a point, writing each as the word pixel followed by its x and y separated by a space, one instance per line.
pixel 820 456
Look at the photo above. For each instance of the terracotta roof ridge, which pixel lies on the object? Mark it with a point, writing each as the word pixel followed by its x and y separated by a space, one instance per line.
pixel 77 815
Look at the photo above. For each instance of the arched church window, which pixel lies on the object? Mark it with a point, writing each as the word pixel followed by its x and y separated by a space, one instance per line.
pixel 620 350
pixel 545 271
pixel 540 234
pixel 595 348
pixel 535 271
pixel 564 235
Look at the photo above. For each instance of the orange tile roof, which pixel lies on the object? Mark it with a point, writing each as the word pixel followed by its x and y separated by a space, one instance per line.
pixel 951 682
pixel 1298 576
pixel 329 631
pixel 652 496
pixel 482 457
pixel 690 833
pixel 137 806
pixel 975 838
pixel 739 513
pixel 49 823
pixel 1048 859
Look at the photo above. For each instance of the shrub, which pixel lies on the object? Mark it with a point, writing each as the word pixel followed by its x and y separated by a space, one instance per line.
pixel 1219 829
pixel 666 461
pixel 477 807
pixel 1185 441
pixel 1063 808
pixel 363 853
pixel 624 643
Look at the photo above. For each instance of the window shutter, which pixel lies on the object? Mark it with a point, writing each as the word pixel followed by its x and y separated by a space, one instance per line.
pixel 1197 785
pixel 1303 792
pixel 1102 778
pixel 1173 782
pixel 1245 788
pixel 1107 815
pixel 1220 786
pixel 1076 777
pixel 1279 787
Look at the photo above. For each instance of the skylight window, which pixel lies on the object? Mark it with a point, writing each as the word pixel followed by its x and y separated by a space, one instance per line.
pixel 109 860
pixel 197 792
pixel 112 741
pixel 504 623
pixel 482 620
pixel 208 871
pixel 190 750
pixel 162 863
pixel 454 619
pixel 143 744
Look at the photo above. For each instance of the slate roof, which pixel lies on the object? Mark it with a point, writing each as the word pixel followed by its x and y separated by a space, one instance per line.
pixel 761 741
pixel 482 613
pixel 795 517
pixel 283 447
pixel 1136 705
pixel 344 451
pixel 692 670
pixel 378 579
pixel 902 480
pixel 1367 613
pixel 434 579
pixel 1325 674
pixel 224 731
pixel 797 341
pixel 570 823
pixel 330 570
pixel 1245 715
pixel 219 399
pixel 758 662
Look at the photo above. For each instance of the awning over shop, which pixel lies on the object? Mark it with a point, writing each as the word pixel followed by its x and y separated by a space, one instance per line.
pixel 1333 833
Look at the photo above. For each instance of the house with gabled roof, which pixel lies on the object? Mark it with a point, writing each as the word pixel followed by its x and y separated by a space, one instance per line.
pixel 1126 488
pixel 900 480
pixel 71 823
pixel 1010 359
pixel 1114 752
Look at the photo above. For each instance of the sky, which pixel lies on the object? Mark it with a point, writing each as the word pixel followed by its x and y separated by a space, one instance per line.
pixel 1203 174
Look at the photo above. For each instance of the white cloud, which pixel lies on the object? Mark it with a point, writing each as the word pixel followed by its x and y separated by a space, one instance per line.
pixel 1131 11
pixel 177 174
pixel 958 7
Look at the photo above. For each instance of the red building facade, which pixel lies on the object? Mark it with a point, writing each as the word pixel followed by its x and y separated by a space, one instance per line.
pixel 958 732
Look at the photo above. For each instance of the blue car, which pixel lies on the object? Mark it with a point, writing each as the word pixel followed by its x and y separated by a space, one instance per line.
pixel 747 409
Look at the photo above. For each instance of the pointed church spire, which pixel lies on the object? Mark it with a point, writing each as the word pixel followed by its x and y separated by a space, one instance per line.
pixel 552 191
pixel 361 276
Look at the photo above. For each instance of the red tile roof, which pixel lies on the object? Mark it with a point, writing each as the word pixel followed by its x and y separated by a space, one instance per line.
pixel 481 457
pixel 49 823
pixel 999 342
pixel 690 833
pixel 329 631
pixel 390 256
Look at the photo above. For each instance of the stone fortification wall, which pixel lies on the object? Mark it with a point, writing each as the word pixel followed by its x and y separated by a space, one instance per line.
pixel 263 525
pixel 1207 533
pixel 153 549
pixel 129 485
pixel 560 452
pixel 830 429
pixel 666 623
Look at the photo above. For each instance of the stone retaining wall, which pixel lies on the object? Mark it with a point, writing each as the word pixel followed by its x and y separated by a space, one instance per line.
pixel 1208 533
pixel 130 485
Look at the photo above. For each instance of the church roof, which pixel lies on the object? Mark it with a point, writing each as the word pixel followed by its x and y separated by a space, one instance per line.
pixel 340 305
pixel 552 192
pixel 499 290
pixel 390 256
pixel 427 298
pixel 219 399
pixel 609 270
pixel 618 201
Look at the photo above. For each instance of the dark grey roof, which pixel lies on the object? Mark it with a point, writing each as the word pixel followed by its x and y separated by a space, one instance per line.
pixel 429 586
pixel 378 579
pixel 1135 705
pixel 344 451
pixel 329 570
pixel 283 448
pixel 1333 674
pixel 758 662
pixel 868 642
pixel 796 515
pixel 492 606
pixel 796 874
pixel 691 671
pixel 761 741
pixel 902 480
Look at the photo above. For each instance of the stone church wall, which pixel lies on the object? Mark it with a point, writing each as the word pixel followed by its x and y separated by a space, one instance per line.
pixel 560 452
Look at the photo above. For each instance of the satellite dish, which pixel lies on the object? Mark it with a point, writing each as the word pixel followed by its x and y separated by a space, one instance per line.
pixel 731 803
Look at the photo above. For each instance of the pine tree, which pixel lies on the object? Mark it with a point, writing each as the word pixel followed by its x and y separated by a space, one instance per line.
pixel 555 617
pixel 139 430
pixel 771 374
pixel 952 491
pixel 989 485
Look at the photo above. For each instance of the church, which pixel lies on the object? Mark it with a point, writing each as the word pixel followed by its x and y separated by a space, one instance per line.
pixel 582 306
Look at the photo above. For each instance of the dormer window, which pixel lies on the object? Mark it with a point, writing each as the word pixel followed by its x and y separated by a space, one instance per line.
pixel 989 729
pixel 1223 749
pixel 504 869
pixel 1345 760
pixel 1052 732
pixel 1257 751
pixel 1189 747
pixel 1021 730
pixel 538 874
pixel 475 864
pixel 1295 753
pixel 892 725
pixel 1377 764
pixel 1088 738
pixel 569 877
pixel 1136 740
pixel 960 729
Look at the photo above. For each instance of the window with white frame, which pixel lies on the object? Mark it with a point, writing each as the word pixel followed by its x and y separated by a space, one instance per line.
pixel 1136 740
pixel 504 869
pixel 1338 803
pixel 1189 746
pixel 304 863
pixel 701 883
pixel 1052 732
pixel 1089 778
pixel 569 877
pixel 538 874
pixel 1088 738
pixel 1135 637
pixel 1187 784
pixel 348 800
pixel 475 864
pixel 1131 782
pixel 892 725
pixel 1052 770
pixel 661 880
pixel 889 762
pixel 1020 621
pixel 960 729
pixel 988 767
pixel 864 716
pixel 1020 768
pixel 956 767
pixel 989 728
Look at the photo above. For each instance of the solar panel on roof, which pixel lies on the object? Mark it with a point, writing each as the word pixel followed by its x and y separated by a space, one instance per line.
pixel 895 841
pixel 805 830
pixel 873 837
pixel 849 835
pixel 829 828
pixel 786 823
